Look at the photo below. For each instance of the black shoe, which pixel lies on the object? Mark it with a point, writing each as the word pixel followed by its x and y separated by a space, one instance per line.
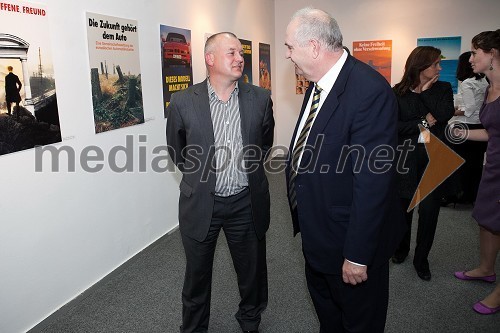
pixel 424 275
pixel 255 331
pixel 446 201
pixel 397 259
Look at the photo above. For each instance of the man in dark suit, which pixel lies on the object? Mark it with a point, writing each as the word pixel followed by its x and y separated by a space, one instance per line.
pixel 219 132
pixel 340 177
pixel 12 88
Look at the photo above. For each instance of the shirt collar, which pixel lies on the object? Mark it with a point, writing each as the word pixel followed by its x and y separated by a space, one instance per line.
pixel 211 91
pixel 328 80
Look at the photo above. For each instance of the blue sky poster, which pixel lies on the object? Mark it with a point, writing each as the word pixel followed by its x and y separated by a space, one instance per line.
pixel 450 51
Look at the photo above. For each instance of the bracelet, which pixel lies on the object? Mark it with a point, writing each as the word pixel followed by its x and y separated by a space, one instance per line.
pixel 425 123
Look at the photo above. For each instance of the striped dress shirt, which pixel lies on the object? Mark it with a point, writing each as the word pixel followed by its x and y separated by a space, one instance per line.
pixel 231 178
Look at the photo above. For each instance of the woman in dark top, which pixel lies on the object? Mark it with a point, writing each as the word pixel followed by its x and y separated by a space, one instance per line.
pixel 422 100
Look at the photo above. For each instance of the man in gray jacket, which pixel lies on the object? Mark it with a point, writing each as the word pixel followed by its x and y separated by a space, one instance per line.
pixel 219 132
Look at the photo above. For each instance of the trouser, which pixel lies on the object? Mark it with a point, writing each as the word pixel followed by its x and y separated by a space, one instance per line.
pixel 9 106
pixel 428 213
pixel 342 307
pixel 232 214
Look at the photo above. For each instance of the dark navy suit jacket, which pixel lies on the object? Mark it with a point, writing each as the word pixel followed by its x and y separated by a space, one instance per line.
pixel 347 202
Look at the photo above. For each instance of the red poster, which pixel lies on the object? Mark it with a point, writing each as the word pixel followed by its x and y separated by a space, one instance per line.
pixel 377 54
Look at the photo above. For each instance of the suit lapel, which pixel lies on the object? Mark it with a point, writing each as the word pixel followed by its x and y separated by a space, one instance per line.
pixel 202 111
pixel 332 100
pixel 246 102
pixel 330 105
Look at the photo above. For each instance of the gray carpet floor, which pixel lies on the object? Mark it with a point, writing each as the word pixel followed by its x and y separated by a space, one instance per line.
pixel 144 294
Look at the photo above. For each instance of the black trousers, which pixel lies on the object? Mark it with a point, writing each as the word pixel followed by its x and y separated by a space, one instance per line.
pixel 232 214
pixel 428 213
pixel 342 307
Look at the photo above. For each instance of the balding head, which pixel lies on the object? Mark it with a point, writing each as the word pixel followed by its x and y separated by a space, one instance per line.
pixel 312 23
pixel 212 41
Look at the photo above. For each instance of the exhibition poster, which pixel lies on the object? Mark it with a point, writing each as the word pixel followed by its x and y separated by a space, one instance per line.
pixel 115 72
pixel 29 115
pixel 265 66
pixel 377 54
pixel 247 56
pixel 176 62
pixel 450 51
pixel 301 84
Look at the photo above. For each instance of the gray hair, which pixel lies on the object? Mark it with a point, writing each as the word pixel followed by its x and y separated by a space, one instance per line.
pixel 211 41
pixel 317 24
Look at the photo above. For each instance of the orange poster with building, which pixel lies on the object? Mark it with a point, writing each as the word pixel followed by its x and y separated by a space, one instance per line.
pixel 377 54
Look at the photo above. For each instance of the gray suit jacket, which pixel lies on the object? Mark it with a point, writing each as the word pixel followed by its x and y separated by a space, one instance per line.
pixel 190 138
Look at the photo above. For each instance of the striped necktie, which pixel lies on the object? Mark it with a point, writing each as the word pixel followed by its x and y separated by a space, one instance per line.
pixel 301 144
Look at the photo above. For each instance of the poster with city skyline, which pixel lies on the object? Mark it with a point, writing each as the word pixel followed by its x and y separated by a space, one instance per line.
pixel 29 114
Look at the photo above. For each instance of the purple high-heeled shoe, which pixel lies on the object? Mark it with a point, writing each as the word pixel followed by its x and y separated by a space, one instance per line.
pixel 488 278
pixel 485 310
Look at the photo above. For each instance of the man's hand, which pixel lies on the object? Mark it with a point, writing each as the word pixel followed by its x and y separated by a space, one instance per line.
pixel 353 274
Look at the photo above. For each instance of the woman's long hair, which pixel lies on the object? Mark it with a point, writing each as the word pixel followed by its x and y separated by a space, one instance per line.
pixel 419 59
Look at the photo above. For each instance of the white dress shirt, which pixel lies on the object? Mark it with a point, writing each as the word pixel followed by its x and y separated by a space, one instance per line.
pixel 469 99
pixel 326 83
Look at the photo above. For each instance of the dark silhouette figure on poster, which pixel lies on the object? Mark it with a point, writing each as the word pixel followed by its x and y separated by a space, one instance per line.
pixel 12 88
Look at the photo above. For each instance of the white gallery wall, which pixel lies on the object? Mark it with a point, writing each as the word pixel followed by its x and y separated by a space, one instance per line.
pixel 61 232
pixel 402 21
